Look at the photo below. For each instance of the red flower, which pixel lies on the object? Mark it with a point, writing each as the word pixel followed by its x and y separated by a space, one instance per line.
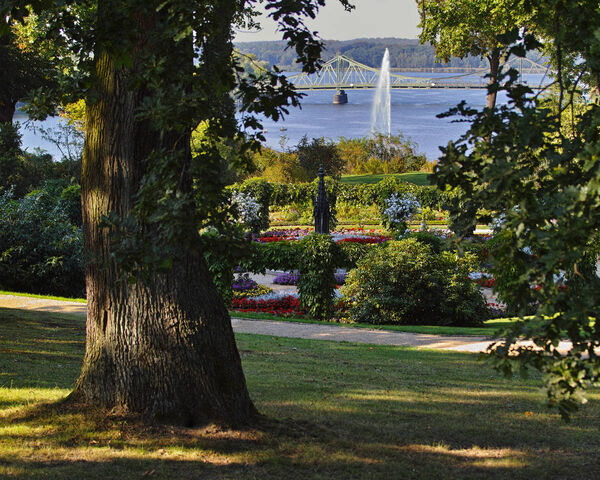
pixel 283 306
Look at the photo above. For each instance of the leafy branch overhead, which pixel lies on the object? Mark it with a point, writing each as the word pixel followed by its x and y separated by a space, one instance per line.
pixel 460 28
pixel 536 162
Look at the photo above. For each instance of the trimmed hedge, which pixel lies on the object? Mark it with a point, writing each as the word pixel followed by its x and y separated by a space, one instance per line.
pixel 287 256
pixel 282 194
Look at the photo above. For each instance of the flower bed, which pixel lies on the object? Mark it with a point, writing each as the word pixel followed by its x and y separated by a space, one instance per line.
pixel 364 240
pixel 257 291
pixel 285 306
pixel 284 235
pixel 486 282
pixel 243 283
pixel 497 310
pixel 288 278
pixel 352 235
pixel 245 287
pixel 483 279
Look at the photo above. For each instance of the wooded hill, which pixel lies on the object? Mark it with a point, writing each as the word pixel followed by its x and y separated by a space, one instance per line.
pixel 404 53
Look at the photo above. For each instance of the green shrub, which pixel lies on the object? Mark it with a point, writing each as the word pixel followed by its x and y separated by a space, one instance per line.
pixel 406 283
pixel 293 213
pixel 316 284
pixel 261 191
pixel 288 256
pixel 71 199
pixel 380 154
pixel 316 152
pixel 283 167
pixel 360 194
pixel 41 250
pixel 436 243
pixel 351 253
pixel 272 256
pixel 10 156
pixel 478 247
pixel 510 277
pixel 22 171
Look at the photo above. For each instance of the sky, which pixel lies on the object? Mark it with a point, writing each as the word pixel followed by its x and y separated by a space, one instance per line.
pixel 370 19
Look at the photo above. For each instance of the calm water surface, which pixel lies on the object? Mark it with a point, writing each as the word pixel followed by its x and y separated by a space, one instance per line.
pixel 414 115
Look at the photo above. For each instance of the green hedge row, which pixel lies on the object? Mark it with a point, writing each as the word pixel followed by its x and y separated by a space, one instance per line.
pixel 287 256
pixel 281 194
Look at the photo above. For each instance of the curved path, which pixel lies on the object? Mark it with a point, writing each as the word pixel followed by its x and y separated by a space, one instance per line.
pixel 293 330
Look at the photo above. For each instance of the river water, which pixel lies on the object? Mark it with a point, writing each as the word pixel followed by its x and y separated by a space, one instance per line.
pixel 413 114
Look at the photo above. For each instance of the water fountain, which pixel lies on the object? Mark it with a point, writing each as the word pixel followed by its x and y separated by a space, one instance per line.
pixel 381 116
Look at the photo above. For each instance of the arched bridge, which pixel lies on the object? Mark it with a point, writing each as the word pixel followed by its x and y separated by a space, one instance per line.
pixel 343 73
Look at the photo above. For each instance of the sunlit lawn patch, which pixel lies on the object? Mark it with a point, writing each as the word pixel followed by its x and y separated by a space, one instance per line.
pixel 418 178
pixel 331 410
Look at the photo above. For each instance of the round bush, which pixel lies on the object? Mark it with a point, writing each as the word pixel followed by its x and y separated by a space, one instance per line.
pixel 41 251
pixel 405 282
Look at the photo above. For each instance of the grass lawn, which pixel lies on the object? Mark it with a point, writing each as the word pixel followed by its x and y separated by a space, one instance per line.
pixel 418 178
pixel 330 410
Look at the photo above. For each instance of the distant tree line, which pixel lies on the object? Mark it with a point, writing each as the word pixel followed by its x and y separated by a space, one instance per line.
pixel 404 53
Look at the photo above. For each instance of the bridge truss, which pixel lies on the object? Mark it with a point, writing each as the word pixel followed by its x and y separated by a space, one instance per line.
pixel 343 73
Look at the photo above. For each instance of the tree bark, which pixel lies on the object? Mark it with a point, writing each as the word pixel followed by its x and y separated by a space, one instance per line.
pixel 494 60
pixel 7 75
pixel 7 110
pixel 162 347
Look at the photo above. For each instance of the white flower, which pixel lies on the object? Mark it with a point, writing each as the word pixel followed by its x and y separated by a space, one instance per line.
pixel 496 223
pixel 247 208
pixel 400 208
pixel 480 275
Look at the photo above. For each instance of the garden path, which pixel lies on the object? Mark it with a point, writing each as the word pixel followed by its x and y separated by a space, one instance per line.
pixel 293 330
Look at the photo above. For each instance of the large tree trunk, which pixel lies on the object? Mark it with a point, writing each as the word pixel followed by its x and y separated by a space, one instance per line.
pixel 163 346
pixel 7 110
pixel 494 60
pixel 7 75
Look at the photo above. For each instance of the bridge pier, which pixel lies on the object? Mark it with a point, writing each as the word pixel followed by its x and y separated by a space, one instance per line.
pixel 340 98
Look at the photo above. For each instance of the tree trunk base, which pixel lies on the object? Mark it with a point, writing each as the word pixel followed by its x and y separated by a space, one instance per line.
pixel 166 352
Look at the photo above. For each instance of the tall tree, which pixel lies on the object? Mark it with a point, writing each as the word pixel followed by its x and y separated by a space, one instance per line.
pixel 28 65
pixel 159 338
pixel 536 162
pixel 461 28
pixel 22 72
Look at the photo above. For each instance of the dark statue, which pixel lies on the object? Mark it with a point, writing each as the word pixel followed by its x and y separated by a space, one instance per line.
pixel 321 206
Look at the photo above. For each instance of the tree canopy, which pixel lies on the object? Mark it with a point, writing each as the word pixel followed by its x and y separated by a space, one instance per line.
pixel 461 28
pixel 536 163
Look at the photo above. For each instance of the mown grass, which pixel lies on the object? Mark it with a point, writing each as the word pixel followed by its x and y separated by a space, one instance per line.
pixel 330 410
pixel 418 178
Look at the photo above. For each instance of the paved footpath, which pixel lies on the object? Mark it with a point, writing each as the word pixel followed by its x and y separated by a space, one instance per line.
pixel 294 330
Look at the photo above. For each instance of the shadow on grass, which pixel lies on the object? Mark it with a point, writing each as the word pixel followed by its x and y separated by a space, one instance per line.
pixel 321 427
pixel 104 446
pixel 332 410
pixel 83 444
